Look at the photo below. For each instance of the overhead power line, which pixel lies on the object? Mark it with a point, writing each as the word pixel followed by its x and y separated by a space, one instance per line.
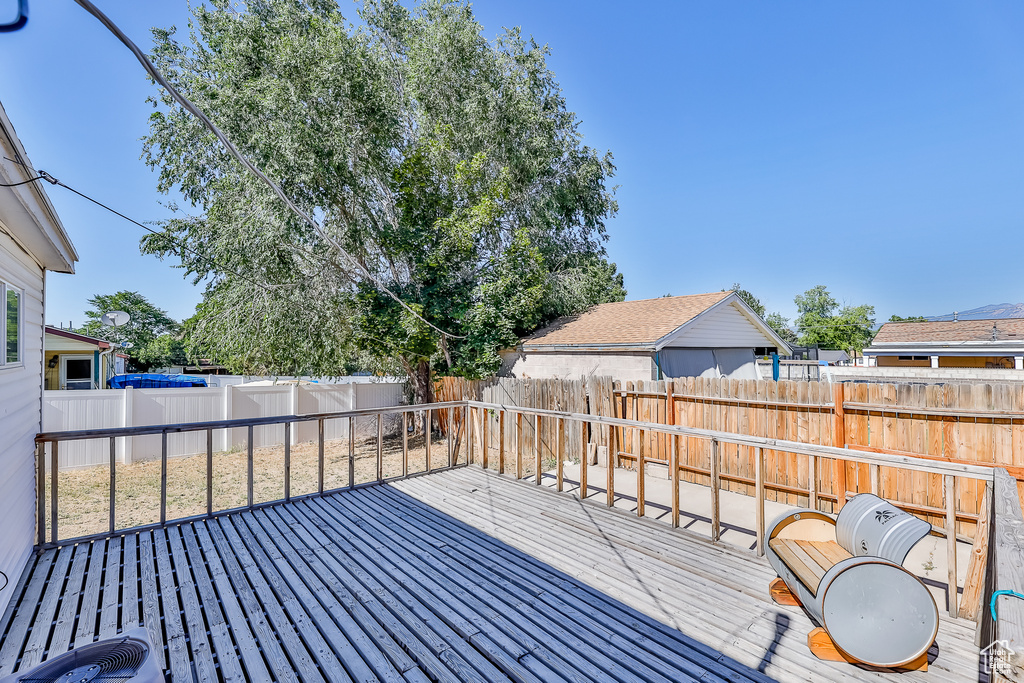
pixel 43 175
pixel 248 165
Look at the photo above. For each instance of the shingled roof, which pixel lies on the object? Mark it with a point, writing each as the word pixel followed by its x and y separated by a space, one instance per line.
pixel 640 322
pixel 1006 329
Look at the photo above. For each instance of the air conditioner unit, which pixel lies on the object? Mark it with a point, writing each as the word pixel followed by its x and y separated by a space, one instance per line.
pixel 125 659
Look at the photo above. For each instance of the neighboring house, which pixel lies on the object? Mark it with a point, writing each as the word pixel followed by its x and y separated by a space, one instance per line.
pixel 78 361
pixel 995 343
pixel 701 335
pixel 32 241
pixel 831 357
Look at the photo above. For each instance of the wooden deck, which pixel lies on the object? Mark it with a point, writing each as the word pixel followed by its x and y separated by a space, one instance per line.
pixel 455 576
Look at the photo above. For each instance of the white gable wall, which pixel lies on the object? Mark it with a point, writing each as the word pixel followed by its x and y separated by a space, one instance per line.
pixel 723 327
pixel 20 400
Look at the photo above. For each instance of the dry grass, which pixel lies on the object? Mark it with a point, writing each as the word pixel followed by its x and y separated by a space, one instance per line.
pixel 84 502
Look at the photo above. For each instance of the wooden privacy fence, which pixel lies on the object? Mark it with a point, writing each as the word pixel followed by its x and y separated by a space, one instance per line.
pixel 964 423
pixel 980 424
pixel 592 396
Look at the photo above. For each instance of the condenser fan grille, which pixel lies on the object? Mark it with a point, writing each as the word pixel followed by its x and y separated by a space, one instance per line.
pixel 107 662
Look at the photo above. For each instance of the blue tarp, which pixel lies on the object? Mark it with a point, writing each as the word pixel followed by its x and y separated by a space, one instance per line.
pixel 154 381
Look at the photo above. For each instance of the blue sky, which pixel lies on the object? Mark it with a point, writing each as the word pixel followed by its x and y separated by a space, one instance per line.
pixel 874 147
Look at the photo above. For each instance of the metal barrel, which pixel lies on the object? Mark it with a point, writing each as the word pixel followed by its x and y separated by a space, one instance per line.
pixel 868 525
pixel 874 610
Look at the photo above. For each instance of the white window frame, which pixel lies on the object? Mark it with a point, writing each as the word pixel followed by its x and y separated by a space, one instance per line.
pixel 63 377
pixel 4 288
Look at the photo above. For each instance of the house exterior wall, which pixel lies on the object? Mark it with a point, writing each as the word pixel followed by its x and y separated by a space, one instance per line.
pixel 20 400
pixel 722 327
pixel 997 362
pixel 626 366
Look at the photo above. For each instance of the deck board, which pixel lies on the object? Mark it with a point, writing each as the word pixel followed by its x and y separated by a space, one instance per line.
pixel 456 576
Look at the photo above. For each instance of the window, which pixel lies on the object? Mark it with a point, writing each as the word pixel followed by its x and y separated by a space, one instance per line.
pixel 11 325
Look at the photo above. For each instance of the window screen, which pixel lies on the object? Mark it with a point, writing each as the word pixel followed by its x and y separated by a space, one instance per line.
pixel 13 326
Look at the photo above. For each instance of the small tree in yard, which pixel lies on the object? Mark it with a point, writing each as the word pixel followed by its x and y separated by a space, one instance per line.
pixel 154 335
pixel 445 164
pixel 823 323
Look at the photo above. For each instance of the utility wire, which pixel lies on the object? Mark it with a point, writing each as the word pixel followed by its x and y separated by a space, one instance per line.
pixel 233 151
pixel 43 175
pixel 23 182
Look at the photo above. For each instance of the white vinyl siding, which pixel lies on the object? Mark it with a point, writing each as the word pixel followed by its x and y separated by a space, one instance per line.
pixel 722 327
pixel 20 397
pixel 11 324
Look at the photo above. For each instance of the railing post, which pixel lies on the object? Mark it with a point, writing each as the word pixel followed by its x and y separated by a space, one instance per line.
pixel 113 480
pixel 584 456
pixel 380 447
pixel 673 460
pixel 163 477
pixel 874 475
pixel 519 445
pixel 951 588
pixel 320 455
pixel 449 434
pixel 287 461
pixel 560 453
pixel 249 464
pixel 759 496
pixel 54 459
pixel 351 452
pixel 485 437
pixel 812 475
pixel 610 479
pixel 405 444
pixel 209 471
pixel 501 441
pixel 839 441
pixel 641 480
pixel 428 427
pixel 716 523
pixel 467 420
pixel 41 492
pixel 538 465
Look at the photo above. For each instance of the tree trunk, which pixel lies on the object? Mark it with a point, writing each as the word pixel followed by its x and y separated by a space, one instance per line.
pixel 422 385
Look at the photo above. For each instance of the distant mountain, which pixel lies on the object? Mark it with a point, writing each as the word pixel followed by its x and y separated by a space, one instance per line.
pixel 990 312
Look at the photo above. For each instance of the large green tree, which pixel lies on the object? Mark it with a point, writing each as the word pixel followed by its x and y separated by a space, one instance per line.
pixel 153 335
pixel 822 322
pixel 445 165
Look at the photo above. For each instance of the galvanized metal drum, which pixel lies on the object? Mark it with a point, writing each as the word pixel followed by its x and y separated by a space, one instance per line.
pixel 868 525
pixel 874 610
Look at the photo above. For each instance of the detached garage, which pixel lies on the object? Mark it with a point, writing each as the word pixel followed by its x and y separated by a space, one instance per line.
pixel 700 335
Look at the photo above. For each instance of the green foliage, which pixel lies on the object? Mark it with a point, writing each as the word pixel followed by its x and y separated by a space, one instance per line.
pixel 749 299
pixel 823 323
pixel 780 324
pixel 446 164
pixel 150 330
pixel 911 319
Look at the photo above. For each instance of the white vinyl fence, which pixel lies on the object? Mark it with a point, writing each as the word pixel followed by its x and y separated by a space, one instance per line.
pixel 104 408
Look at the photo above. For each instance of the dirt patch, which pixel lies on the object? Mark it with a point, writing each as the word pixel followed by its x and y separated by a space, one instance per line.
pixel 84 501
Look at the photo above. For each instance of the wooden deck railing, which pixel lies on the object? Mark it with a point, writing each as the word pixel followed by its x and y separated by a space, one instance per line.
pixel 951 472
pixel 1002 635
pixel 48 444
pixel 463 419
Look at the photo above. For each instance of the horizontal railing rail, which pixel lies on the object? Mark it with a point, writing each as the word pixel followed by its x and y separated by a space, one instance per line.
pixel 467 423
pixel 950 472
pixel 112 434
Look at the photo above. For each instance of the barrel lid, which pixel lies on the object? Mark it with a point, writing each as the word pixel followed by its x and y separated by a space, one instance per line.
pixel 880 614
